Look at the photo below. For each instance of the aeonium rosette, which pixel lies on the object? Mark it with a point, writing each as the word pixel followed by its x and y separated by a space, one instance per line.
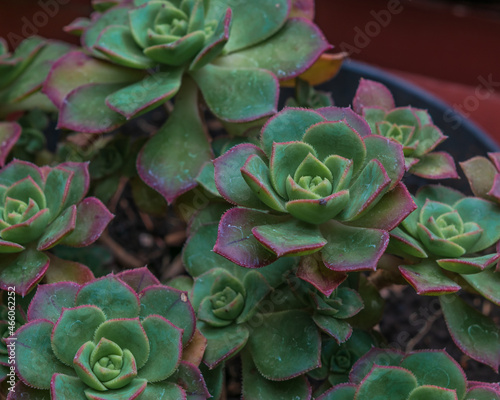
pixel 39 209
pixel 412 127
pixel 447 235
pixel 117 337
pixel 320 183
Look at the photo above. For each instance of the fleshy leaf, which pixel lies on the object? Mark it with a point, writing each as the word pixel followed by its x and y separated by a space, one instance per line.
pixel 388 383
pixel 480 173
pixel 285 345
pixel 66 387
pixel 92 217
pixel 35 361
pixel 436 165
pixel 189 377
pixel 313 270
pixel 10 132
pixel 236 242
pixel 487 283
pixel 372 94
pixel 290 237
pixel 351 248
pixel 475 334
pixel 50 299
pixel 428 279
pixel 336 328
pixel 179 149
pixel 230 97
pixel 432 392
pixel 222 343
pixel 138 278
pixel 467 265
pixel 229 180
pixel 64 270
pixel 75 327
pixel 58 229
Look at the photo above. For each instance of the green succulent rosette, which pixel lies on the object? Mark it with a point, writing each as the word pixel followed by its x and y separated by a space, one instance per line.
pixel 317 187
pixel 412 127
pixel 117 337
pixel 39 209
pixel 446 237
pixel 139 54
pixel 426 374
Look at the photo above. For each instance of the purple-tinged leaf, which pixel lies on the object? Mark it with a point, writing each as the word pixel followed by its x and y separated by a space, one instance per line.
pixel 166 389
pixel 403 244
pixel 17 168
pixel 255 386
pixel 195 349
pixel 487 283
pixel 285 345
pixel 428 278
pixel 10 132
pixel 76 69
pixel 84 109
pixel 33 349
pixel 278 54
pixel 165 341
pixel 50 299
pixel 231 98
pixel 179 149
pixel 64 270
pixel 425 392
pixel 474 333
pixel 138 278
pixel 189 377
pixel 339 330
pixel 222 343
pixel 372 94
pixel 290 237
pixel 23 270
pixel 64 387
pixel 80 181
pixel 171 304
pixel 436 165
pixel 482 391
pixel 10 247
pixel 289 125
pixel 343 391
pixel 92 217
pixel 302 8
pixel 236 242
pixel 351 248
pixel 387 382
pixel 312 270
pixel 58 229
pixel 389 211
pixel 374 357
pixel 469 265
pixel 347 115
pixel 146 94
pixel 228 179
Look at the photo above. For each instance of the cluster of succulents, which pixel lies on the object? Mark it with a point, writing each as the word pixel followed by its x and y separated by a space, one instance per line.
pixel 293 220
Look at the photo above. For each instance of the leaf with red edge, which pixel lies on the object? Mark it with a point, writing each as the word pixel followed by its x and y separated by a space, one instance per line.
pixel 480 172
pixel 436 165
pixel 179 149
pixel 289 237
pixel 22 270
pixel 313 270
pixel 389 211
pixel 231 98
pixel 91 219
pixel 10 132
pixel 428 278
pixel 229 180
pixel 50 299
pixel 64 270
pixel 17 168
pixel 336 328
pixel 76 69
pixel 138 278
pixel 58 229
pixel 222 343
pixel 487 283
pixel 194 351
pixel 10 247
pixel 189 377
pixel 35 360
pixel 21 392
pixel 351 248
pixel 483 393
pixel 469 265
pixel 85 110
pixel 236 242
pixel 372 94
pixel 346 114
pixel 80 181
pixel 474 333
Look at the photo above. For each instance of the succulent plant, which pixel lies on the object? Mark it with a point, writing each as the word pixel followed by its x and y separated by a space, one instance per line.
pixel 41 208
pixel 308 97
pixel 483 176
pixel 159 49
pixel 412 127
pixel 116 337
pixel 427 374
pixel 317 185
pixel 447 234
pixel 24 71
